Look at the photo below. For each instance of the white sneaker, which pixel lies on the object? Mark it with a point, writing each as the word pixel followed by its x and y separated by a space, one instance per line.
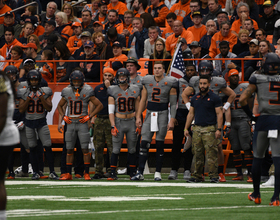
pixel 270 181
pixel 157 176
pixel 187 175
pixel 173 175
pixel 122 172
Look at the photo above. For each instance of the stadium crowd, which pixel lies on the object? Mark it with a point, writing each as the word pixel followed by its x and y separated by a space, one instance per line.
pixel 122 34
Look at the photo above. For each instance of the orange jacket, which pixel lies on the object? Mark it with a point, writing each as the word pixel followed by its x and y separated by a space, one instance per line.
pixel 236 25
pixel 198 33
pixel 167 32
pixel 16 64
pixel 120 58
pixel 3 10
pixel 171 41
pixel 74 43
pixel 217 38
pixel 66 32
pixel 48 76
pixel 222 3
pixel 120 8
pixel 181 10
pixel 40 30
pixel 159 13
pixel 6 49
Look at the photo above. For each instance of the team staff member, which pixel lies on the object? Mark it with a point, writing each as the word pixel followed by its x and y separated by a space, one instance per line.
pixel 267 128
pixel 9 134
pixel 102 126
pixel 206 109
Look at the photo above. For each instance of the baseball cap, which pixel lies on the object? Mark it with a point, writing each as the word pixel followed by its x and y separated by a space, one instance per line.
pixel 222 12
pixel 268 3
pixel 254 41
pixel 30 45
pixel 98 22
pixel 194 44
pixel 9 14
pixel 76 24
pixel 116 43
pixel 85 34
pixel 233 72
pixel 183 41
pixel 109 70
pixel 103 2
pixel 89 44
pixel 51 22
pixel 28 60
pixel 117 65
pixel 197 13
pixel 132 60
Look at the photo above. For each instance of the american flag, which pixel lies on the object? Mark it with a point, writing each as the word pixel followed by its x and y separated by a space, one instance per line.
pixel 177 68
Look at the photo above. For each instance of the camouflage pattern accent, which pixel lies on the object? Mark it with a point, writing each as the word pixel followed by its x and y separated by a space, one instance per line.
pixel 271 170
pixel 102 134
pixel 203 139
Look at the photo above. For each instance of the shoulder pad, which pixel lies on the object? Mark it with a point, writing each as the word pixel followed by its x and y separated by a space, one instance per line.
pixel 47 90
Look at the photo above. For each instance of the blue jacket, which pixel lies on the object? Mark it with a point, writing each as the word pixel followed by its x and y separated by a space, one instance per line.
pixel 140 38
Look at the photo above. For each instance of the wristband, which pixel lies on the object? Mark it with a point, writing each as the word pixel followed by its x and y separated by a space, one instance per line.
pixel 188 105
pixel 219 129
pixel 228 124
pixel 226 105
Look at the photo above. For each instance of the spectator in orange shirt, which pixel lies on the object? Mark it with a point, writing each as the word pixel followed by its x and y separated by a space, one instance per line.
pixel 113 21
pixel 170 18
pixel 63 27
pixel 140 7
pixel 16 56
pixel 47 69
pixel 224 34
pixel 102 14
pixel 159 11
pixel 118 56
pixel 243 14
pixel 3 9
pixel 181 9
pixel 178 30
pixel 93 7
pixel 194 6
pixel 119 6
pixel 75 41
pixel 127 25
pixel 198 30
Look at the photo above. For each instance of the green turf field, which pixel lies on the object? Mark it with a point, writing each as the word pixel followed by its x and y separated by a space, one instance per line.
pixel 124 199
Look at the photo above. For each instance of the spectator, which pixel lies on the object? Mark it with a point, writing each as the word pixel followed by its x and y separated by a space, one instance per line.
pixel 113 21
pixel 170 3
pixel 205 41
pixel 170 18
pixel 21 3
pixel 221 17
pixel 186 52
pixel 242 43
pixel 102 14
pixel 159 11
pixel 249 25
pixel 178 30
pixel 224 34
pixel 90 68
pixel 27 30
pixel 32 38
pixel 9 21
pixel 47 69
pixel 93 8
pixel 69 11
pixel 51 9
pixel 30 11
pixel 85 36
pixel 204 9
pixel 63 69
pixel 148 20
pixel 118 56
pixel 270 16
pixel 149 43
pixel 261 35
pixel 198 29
pixel 16 56
pixel 187 21
pixel 243 14
pixel 221 65
pixel 97 27
pixel 63 28
pixel 87 23
pixel 49 29
pixel 214 9
pixel 112 36
pixel 276 32
pixel 253 10
pixel 3 9
pixel 9 34
pixel 118 6
pixel 159 53
pixel 197 52
pixel 140 7
pixel 136 40
pixel 102 49
pixel 75 41
pixel 182 9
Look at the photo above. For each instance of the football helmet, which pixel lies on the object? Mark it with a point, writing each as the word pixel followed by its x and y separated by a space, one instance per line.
pixel 205 65
pixel 77 75
pixel 34 74
pixel 271 64
pixel 12 71
pixel 122 72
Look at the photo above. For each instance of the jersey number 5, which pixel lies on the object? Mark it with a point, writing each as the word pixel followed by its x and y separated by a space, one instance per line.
pixel 274 87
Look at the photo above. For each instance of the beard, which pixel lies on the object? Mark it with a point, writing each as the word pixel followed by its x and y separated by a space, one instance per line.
pixel 203 90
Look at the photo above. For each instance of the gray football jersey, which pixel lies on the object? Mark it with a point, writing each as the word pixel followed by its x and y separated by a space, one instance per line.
pixel 268 93
pixel 182 85
pixel 20 86
pixel 77 102
pixel 137 81
pixel 124 100
pixel 236 110
pixel 35 108
pixel 158 92
pixel 217 83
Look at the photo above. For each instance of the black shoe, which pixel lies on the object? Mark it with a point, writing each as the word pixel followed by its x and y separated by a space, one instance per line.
pixel 214 180
pixel 194 180
pixel 96 177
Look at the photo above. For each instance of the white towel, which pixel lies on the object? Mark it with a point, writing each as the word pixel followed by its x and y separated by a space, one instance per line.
pixel 272 134
pixel 154 121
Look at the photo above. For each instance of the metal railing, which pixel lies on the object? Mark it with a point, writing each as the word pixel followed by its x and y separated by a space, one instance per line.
pixel 22 7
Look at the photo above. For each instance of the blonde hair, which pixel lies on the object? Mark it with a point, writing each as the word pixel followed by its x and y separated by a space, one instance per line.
pixel 243 31
pixel 64 17
pixel 37 42
pixel 97 34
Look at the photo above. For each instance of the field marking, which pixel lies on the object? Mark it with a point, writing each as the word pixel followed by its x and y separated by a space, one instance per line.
pixel 92 199
pixel 138 184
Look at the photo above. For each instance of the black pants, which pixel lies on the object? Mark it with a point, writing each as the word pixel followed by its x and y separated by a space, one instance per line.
pixel 5 153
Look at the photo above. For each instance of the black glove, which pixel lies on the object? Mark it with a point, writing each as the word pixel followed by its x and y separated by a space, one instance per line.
pixel 227 131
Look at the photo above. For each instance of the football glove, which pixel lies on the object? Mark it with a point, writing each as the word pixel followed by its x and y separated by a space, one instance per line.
pixel 114 131
pixel 39 94
pixel 31 95
pixel 227 130
pixel 84 119
pixel 138 131
pixel 20 125
pixel 67 119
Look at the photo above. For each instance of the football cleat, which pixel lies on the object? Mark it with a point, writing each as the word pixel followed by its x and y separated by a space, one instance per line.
pixel 42 176
pixel 187 175
pixel 194 180
pixel 238 178
pixel 137 177
pixel 214 180
pixel 257 200
pixel 222 178
pixel 270 181
pixel 22 174
pixel 11 176
pixel 96 177
pixel 35 176
pixel 173 175
pixel 112 177
pixel 274 203
pixel 53 176
pixel 157 176
pixel 249 179
pixel 87 176
pixel 66 176
pixel 78 176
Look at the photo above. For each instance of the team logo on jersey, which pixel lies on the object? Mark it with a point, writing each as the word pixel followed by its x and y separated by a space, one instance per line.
pixel 165 83
pixel 240 89
pixel 84 95
pixel 126 93
pixel 134 91
pixel 119 94
pixel 138 81
pixel 184 86
pixel 69 98
pixel 216 84
pixel 101 88
pixel 151 84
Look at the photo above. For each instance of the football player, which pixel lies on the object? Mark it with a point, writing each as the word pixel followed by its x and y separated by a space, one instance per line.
pixel 35 101
pixel 159 91
pixel 77 96
pixel 122 102
pixel 266 84
pixel 219 87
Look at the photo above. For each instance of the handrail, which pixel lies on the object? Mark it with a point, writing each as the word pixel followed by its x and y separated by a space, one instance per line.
pixel 21 7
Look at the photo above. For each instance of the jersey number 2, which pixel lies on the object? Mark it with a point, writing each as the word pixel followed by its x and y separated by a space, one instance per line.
pixel 155 94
